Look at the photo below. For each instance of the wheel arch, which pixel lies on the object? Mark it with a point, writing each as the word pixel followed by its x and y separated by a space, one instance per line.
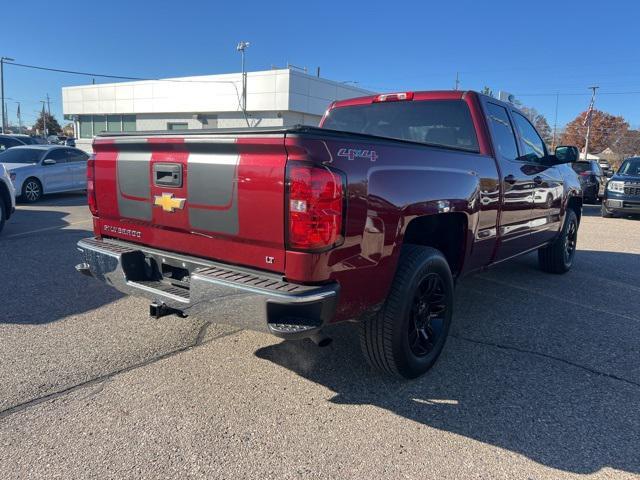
pixel 575 203
pixel 5 195
pixel 446 232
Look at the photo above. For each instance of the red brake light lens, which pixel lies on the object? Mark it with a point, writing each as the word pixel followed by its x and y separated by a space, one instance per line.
pixel 91 191
pixel 393 97
pixel 315 207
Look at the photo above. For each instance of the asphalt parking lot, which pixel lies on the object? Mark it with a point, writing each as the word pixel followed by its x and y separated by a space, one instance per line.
pixel 540 378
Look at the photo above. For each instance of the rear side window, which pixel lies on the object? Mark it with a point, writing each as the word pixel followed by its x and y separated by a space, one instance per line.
pixel 445 123
pixel 503 135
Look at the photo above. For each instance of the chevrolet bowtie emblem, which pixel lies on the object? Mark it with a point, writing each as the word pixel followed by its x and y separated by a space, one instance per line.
pixel 168 203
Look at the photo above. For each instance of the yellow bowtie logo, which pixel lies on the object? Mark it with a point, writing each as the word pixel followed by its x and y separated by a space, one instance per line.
pixel 168 203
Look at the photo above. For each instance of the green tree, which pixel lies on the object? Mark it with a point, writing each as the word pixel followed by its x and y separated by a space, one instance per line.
pixel 53 127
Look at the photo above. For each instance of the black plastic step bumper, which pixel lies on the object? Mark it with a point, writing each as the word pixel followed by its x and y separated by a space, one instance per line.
pixel 214 291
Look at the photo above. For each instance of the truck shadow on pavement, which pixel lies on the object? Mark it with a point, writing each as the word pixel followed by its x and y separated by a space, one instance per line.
pixel 37 259
pixel 535 364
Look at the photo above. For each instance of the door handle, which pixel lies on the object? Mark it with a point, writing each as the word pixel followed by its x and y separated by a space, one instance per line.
pixel 510 179
pixel 537 180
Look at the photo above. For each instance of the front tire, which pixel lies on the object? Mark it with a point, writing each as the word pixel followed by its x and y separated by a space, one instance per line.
pixel 558 256
pixel 407 335
pixel 31 190
pixel 604 212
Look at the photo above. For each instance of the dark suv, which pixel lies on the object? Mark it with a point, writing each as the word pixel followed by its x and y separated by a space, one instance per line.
pixel 622 195
pixel 592 178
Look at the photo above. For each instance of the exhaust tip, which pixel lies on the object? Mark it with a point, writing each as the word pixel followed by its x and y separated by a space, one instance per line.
pixel 84 269
pixel 321 340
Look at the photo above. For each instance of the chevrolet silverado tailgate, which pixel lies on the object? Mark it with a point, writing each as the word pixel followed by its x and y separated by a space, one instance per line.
pixel 217 196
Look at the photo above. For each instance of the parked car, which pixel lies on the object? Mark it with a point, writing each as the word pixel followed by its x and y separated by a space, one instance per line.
pixel 42 169
pixel 605 166
pixel 10 141
pixel 371 218
pixel 7 196
pixel 622 195
pixel 592 178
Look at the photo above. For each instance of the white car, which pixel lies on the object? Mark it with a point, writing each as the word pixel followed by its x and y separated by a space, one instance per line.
pixel 7 196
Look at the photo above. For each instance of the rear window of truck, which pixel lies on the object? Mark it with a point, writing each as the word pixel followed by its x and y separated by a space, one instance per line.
pixel 445 123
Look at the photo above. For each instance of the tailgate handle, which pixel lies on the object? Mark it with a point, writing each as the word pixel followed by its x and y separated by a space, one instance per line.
pixel 167 174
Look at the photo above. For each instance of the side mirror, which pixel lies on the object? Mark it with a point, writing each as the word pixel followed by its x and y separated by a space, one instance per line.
pixel 609 173
pixel 567 154
pixel 49 161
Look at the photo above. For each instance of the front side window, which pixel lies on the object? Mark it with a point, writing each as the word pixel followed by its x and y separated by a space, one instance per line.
pixel 444 123
pixel 503 135
pixel 21 155
pixel 531 141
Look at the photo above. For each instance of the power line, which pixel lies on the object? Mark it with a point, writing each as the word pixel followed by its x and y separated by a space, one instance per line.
pixel 73 72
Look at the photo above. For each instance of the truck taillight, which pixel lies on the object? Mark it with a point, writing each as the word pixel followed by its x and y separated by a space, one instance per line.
pixel 315 207
pixel 91 191
pixel 393 97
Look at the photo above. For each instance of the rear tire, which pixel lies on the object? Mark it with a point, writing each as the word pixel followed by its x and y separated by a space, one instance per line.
pixel 3 213
pixel 558 256
pixel 31 190
pixel 407 335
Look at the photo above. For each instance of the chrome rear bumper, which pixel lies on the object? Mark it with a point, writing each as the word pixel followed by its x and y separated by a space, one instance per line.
pixel 222 293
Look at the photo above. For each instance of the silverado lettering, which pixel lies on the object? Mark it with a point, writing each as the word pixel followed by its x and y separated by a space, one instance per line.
pixel 267 230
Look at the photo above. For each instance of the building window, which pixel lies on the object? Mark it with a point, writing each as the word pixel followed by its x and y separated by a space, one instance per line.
pixel 99 124
pixel 91 125
pixel 128 123
pixel 86 127
pixel 114 123
pixel 177 126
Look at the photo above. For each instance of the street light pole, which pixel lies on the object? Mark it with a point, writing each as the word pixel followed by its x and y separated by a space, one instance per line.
pixel 242 46
pixel 4 114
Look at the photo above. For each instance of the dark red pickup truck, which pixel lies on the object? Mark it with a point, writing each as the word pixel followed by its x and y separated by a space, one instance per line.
pixel 372 217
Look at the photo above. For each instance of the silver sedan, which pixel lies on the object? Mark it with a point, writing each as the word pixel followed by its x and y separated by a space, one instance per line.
pixel 41 169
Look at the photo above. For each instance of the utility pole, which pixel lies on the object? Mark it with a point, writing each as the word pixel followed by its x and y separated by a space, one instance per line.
pixel 48 105
pixel 4 110
pixel 457 81
pixel 555 122
pixel 587 120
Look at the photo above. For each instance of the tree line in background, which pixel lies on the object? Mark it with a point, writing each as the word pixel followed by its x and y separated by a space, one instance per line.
pixel 610 136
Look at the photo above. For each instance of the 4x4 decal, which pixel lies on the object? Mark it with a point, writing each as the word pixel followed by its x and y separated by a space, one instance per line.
pixel 353 153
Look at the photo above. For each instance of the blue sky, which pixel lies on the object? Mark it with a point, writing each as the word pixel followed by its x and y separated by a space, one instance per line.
pixel 532 51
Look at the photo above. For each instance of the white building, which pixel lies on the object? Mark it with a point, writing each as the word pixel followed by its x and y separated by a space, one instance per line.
pixel 274 98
